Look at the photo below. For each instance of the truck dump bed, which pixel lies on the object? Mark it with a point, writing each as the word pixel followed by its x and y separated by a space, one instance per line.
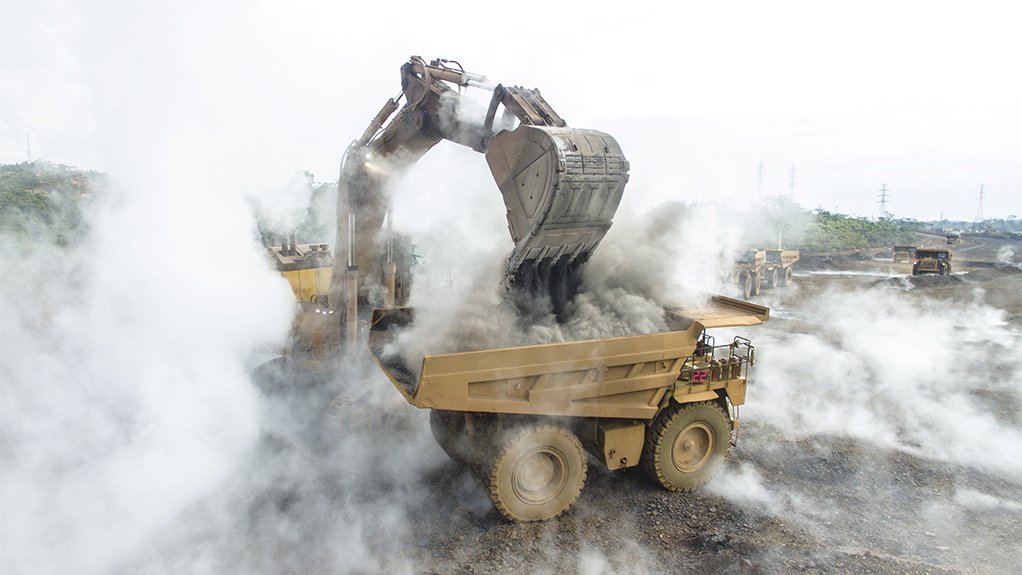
pixel 623 377
pixel 783 258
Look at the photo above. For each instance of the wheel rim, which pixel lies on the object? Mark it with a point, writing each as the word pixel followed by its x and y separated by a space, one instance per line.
pixel 539 476
pixel 693 447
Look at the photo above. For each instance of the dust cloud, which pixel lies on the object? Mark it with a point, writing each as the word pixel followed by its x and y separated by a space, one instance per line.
pixel 646 262
pixel 901 406
pixel 906 374
pixel 138 435
pixel 125 394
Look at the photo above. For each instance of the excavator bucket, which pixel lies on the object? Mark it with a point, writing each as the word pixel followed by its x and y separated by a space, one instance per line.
pixel 561 187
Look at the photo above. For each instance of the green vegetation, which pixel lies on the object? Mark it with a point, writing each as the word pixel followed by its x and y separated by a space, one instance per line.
pixel 830 232
pixel 43 201
pixel 780 220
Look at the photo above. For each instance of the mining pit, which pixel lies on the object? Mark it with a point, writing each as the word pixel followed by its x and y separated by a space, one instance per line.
pixel 881 435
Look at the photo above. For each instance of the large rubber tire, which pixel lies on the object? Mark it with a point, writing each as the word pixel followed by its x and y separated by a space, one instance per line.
pixel 538 473
pixel 774 280
pixel 686 445
pixel 757 283
pixel 746 285
pixel 786 277
pixel 447 428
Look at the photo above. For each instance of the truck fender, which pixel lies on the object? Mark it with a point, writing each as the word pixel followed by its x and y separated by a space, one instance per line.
pixel 694 397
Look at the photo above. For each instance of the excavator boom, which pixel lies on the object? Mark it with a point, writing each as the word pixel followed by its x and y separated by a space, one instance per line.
pixel 561 186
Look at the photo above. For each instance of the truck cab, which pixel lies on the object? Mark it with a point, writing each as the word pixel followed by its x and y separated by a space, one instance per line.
pixel 932 261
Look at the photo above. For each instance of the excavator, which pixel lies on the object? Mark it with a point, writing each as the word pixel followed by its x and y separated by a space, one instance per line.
pixel 561 187
pixel 520 418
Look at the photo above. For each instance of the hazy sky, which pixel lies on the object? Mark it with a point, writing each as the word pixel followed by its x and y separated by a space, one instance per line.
pixel 924 97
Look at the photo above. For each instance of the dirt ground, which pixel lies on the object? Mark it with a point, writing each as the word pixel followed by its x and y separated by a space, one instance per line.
pixel 811 502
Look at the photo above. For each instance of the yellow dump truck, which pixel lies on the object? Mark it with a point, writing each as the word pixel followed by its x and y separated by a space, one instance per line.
pixel 520 417
pixel 777 267
pixel 747 272
pixel 903 254
pixel 930 261
pixel 307 267
pixel 755 269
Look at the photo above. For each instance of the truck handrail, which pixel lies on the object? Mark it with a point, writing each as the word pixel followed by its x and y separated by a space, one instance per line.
pixel 719 362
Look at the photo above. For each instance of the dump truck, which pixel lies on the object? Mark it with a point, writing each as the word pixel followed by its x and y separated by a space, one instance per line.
pixel 306 267
pixel 776 269
pixel 755 269
pixel 903 254
pixel 747 272
pixel 932 261
pixel 521 417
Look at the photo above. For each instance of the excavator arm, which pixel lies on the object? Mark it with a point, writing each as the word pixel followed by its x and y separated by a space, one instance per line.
pixel 561 186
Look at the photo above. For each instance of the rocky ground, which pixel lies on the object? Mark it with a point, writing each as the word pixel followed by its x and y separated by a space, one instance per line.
pixel 833 472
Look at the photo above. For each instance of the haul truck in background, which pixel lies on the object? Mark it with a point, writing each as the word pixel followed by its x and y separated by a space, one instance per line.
pixel 777 270
pixel 306 267
pixel 903 254
pixel 932 261
pixel 521 417
pixel 753 270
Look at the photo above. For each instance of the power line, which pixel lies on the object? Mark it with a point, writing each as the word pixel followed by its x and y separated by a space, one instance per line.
pixel 979 209
pixel 791 182
pixel 884 194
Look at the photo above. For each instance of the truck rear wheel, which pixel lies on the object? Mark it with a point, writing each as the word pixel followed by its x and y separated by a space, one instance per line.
pixel 774 279
pixel 686 445
pixel 747 285
pixel 538 473
pixel 786 277
pixel 448 428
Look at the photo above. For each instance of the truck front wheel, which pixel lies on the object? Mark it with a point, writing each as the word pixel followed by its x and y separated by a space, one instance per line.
pixel 686 444
pixel 538 473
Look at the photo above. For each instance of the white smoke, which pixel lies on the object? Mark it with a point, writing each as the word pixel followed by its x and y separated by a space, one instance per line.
pixel 646 262
pixel 1006 255
pixel 876 361
pixel 125 394
pixel 898 404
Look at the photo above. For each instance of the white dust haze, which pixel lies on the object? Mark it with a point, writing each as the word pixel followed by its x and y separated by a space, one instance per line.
pixel 888 419
pixel 132 436
pixel 125 396
pixel 647 261
pixel 915 374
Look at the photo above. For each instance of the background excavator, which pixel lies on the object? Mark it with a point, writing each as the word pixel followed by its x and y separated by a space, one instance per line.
pixel 522 417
